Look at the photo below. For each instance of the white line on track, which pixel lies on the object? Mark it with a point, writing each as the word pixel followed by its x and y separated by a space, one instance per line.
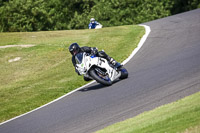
pixel 143 39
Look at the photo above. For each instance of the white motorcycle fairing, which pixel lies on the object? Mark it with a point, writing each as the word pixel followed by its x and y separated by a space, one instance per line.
pixel 85 62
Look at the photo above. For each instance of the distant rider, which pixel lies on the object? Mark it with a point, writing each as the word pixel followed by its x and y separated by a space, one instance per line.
pixel 74 49
pixel 93 24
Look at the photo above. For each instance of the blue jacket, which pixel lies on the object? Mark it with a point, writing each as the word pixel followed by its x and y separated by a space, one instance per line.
pixel 93 25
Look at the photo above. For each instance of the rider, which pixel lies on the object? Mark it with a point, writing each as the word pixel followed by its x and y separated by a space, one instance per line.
pixel 93 24
pixel 74 49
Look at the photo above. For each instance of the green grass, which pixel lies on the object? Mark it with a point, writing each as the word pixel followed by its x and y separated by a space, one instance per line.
pixel 181 116
pixel 194 129
pixel 45 71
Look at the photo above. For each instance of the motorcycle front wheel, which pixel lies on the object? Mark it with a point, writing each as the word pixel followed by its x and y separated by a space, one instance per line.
pixel 105 80
pixel 124 73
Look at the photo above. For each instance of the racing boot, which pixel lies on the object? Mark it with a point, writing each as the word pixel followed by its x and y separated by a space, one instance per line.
pixel 115 64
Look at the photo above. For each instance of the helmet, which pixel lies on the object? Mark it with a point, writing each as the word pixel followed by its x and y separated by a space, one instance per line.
pixel 74 48
pixel 92 20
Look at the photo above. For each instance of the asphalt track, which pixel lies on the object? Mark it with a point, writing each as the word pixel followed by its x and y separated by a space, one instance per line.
pixel 164 70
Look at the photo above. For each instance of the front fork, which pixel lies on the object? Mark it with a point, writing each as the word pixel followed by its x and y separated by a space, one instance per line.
pixel 115 74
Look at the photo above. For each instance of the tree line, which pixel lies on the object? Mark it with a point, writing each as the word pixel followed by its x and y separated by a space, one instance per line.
pixel 37 15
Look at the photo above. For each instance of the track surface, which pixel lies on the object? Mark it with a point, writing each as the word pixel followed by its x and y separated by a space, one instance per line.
pixel 165 69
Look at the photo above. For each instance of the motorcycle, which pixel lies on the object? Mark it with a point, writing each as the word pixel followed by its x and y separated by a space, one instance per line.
pixel 99 69
pixel 98 26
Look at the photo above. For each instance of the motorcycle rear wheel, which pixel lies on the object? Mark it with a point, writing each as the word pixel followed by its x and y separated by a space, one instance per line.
pixel 96 76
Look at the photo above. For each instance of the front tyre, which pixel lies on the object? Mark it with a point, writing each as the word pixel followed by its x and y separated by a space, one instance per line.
pixel 105 80
pixel 124 73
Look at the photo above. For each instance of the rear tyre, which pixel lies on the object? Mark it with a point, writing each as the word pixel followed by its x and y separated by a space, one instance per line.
pixel 124 73
pixel 99 78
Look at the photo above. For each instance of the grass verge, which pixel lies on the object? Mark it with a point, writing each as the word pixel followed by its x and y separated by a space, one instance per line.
pixel 45 71
pixel 180 116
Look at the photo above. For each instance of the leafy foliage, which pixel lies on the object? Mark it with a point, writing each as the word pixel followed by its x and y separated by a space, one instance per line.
pixel 17 17
pixel 31 15
pixel 118 12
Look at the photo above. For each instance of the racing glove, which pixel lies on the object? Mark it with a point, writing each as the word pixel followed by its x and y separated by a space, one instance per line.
pixel 94 51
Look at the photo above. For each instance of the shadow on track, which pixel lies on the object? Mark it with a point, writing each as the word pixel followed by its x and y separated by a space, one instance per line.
pixel 96 87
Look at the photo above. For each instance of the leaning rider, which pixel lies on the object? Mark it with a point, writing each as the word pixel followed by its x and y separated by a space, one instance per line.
pixel 74 49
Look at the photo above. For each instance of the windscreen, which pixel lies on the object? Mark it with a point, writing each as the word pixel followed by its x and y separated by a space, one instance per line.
pixel 79 58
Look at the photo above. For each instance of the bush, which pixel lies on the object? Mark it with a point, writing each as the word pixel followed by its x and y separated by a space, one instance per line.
pixel 31 15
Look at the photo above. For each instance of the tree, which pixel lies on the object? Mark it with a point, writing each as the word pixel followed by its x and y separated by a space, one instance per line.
pixel 32 15
pixel 120 12
pixel 184 5
pixel 24 15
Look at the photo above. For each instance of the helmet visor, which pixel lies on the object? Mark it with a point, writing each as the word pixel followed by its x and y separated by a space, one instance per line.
pixel 73 51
